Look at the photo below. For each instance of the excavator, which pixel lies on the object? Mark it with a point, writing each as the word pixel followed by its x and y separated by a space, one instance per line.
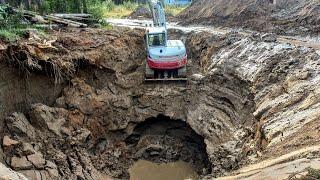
pixel 166 59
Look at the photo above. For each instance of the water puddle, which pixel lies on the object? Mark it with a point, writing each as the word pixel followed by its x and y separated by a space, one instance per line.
pixel 146 170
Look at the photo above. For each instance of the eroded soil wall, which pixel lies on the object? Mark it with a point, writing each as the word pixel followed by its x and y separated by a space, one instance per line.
pixel 83 126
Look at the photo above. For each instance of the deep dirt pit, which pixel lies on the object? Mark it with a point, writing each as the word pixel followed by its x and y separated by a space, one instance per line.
pixel 102 117
pixel 164 140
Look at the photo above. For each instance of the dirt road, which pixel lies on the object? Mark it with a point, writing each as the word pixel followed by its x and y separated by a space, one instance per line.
pixel 310 42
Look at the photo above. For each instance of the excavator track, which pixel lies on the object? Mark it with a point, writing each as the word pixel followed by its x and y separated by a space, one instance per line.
pixel 163 76
pixel 167 80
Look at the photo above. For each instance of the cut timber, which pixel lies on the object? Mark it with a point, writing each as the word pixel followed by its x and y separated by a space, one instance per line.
pixel 36 18
pixel 72 15
pixel 51 18
pixel 46 26
pixel 81 19
pixel 25 12
pixel 65 21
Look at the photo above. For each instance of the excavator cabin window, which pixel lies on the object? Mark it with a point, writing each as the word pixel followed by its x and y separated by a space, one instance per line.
pixel 156 39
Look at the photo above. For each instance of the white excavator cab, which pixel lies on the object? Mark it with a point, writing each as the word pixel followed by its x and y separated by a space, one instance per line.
pixel 156 36
pixel 156 39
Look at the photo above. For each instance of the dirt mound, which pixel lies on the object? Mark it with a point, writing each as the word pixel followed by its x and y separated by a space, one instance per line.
pixel 281 16
pixel 141 13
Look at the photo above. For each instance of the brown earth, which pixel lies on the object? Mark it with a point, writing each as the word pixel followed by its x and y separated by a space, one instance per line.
pixel 143 13
pixel 102 116
pixel 85 112
pixel 290 17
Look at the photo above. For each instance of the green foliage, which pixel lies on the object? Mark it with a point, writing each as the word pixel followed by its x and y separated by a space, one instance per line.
pixel 314 173
pixel 174 10
pixel 108 5
pixel 11 24
pixel 11 34
pixel 7 18
pixel 130 5
pixel 98 9
pixel 45 7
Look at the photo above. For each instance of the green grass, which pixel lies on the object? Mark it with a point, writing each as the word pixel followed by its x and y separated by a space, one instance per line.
pixel 174 10
pixel 107 27
pixel 314 173
pixel 11 34
pixel 108 9
pixel 119 11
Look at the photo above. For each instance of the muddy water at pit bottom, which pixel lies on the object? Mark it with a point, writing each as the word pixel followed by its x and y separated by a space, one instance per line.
pixel 146 170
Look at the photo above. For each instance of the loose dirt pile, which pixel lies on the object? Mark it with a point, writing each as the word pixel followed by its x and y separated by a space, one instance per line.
pixel 144 12
pixel 141 13
pixel 294 17
pixel 84 111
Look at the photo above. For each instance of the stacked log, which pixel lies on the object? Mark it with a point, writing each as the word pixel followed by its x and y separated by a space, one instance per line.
pixel 71 20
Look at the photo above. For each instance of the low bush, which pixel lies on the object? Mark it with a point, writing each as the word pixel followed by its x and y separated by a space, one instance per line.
pixel 314 173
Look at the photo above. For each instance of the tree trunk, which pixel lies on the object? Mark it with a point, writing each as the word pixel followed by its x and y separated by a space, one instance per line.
pixel 65 6
pixel 76 6
pixel 84 5
pixel 27 4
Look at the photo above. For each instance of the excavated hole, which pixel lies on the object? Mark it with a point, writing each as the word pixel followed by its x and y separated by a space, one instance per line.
pixel 107 106
pixel 164 140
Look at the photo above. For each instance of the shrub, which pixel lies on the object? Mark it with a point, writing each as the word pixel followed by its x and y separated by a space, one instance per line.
pixel 8 18
pixel 11 34
pixel 314 173
pixel 130 5
pixel 98 9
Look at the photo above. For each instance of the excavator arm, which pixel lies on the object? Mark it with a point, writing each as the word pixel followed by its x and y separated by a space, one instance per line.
pixel 158 14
